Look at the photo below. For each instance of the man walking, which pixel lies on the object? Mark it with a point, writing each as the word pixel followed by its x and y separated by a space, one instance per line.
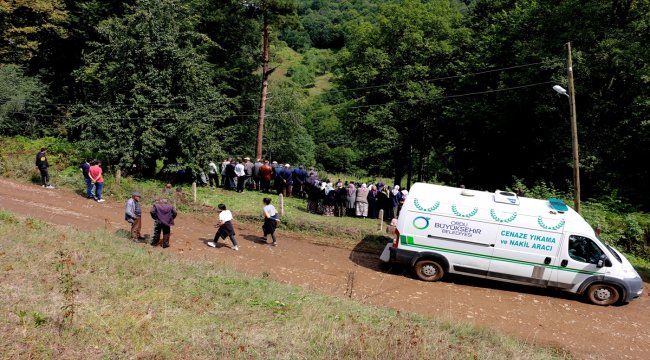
pixel 85 167
pixel 133 215
pixel 163 215
pixel 42 165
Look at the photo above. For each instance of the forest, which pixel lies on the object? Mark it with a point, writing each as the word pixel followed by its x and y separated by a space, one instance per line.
pixel 446 91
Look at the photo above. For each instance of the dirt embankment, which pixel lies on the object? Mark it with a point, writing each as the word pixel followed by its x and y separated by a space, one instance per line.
pixel 531 314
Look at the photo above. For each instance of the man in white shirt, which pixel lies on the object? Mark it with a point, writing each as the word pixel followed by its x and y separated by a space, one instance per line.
pixel 241 176
pixel 213 174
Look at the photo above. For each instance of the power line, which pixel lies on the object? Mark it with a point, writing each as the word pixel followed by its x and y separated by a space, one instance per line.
pixel 437 97
pixel 271 114
pixel 379 86
pixel 440 78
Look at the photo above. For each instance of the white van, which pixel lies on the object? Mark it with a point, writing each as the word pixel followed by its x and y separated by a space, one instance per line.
pixel 509 238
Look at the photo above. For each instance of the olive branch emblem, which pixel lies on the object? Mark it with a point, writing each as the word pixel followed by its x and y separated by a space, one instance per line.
pixel 468 215
pixel 419 207
pixel 544 226
pixel 494 216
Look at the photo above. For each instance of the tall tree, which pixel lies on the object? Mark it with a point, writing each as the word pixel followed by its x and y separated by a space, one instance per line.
pixel 21 105
pixel 149 93
pixel 28 28
pixel 388 69
pixel 611 78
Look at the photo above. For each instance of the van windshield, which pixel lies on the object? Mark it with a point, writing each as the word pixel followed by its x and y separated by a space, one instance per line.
pixel 615 253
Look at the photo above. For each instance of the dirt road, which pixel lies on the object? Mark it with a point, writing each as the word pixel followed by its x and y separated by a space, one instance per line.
pixel 534 315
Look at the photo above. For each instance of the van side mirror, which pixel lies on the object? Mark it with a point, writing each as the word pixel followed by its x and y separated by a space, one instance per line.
pixel 608 262
pixel 603 261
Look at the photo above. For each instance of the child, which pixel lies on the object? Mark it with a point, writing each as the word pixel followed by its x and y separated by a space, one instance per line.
pixel 225 228
pixel 270 220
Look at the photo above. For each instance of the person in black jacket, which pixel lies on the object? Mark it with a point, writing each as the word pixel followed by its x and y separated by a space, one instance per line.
pixel 42 165
pixel 163 215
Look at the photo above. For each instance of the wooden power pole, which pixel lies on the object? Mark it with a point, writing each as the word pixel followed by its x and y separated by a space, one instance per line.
pixel 574 130
pixel 265 85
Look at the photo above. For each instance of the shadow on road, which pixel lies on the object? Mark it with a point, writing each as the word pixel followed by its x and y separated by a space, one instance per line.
pixel 367 252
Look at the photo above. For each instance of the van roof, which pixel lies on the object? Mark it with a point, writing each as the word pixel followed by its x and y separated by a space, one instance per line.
pixel 431 193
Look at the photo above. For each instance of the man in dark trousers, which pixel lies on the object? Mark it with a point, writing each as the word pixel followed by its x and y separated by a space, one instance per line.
pixel 85 167
pixel 132 214
pixel 163 215
pixel 42 165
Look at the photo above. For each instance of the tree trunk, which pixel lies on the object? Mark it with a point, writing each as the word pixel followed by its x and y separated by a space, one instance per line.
pixel 265 84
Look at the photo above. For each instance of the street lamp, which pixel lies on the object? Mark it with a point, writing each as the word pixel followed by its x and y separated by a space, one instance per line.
pixel 571 94
pixel 574 141
pixel 560 90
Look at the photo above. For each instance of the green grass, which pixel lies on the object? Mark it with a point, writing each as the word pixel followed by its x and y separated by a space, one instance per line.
pixel 628 231
pixel 131 302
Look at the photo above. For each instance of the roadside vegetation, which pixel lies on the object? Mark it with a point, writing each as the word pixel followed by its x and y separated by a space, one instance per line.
pixel 622 225
pixel 95 295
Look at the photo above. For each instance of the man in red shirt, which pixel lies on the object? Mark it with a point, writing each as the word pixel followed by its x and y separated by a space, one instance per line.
pixel 266 174
pixel 95 173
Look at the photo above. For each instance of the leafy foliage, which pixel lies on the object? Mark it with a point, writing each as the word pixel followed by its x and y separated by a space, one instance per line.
pixel 28 27
pixel 21 103
pixel 152 98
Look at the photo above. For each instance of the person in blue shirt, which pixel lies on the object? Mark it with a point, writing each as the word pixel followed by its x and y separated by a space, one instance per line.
pixel 85 167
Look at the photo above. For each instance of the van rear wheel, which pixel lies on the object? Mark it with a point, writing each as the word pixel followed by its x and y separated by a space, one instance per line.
pixel 603 294
pixel 428 270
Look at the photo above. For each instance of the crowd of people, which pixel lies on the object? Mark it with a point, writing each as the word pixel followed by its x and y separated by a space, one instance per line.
pixel 326 198
pixel 354 199
pixel 323 197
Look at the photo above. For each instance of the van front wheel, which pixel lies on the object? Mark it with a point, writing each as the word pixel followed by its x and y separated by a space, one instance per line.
pixel 428 270
pixel 603 294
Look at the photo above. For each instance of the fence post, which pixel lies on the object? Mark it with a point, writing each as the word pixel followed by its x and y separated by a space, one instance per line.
pixel 118 176
pixel 281 205
pixel 381 219
pixel 194 191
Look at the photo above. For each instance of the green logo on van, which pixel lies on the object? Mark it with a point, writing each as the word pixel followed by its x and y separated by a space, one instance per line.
pixel 540 221
pixel 421 208
pixel 494 216
pixel 468 215
pixel 421 222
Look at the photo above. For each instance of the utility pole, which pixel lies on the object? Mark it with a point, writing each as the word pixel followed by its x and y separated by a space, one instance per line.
pixel 574 130
pixel 265 85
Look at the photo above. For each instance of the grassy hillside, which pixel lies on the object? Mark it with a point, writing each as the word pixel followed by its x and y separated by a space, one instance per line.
pixel 623 228
pixel 68 294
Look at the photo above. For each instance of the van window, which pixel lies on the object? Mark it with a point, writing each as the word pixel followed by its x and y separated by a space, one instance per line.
pixel 584 250
pixel 611 250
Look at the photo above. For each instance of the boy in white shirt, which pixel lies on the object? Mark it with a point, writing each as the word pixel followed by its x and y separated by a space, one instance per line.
pixel 225 228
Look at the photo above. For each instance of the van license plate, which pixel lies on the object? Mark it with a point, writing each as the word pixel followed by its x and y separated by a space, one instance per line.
pixel 385 255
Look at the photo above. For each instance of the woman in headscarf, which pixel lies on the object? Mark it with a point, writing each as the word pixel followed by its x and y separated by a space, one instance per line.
pixel 350 198
pixel 362 201
pixel 402 200
pixel 329 201
pixel 395 196
pixel 372 202
pixel 340 193
pixel 383 200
